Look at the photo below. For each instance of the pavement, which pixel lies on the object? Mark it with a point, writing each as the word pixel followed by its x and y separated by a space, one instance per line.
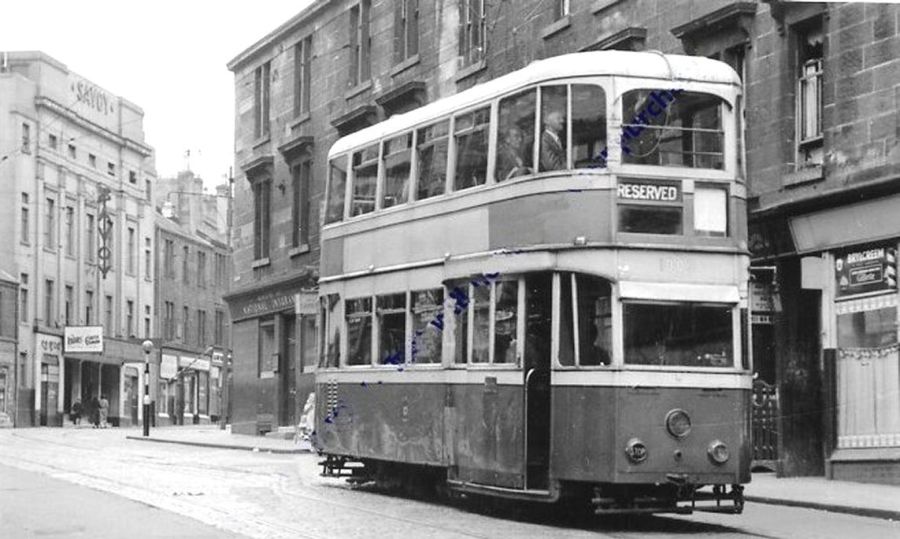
pixel 863 499
pixel 213 436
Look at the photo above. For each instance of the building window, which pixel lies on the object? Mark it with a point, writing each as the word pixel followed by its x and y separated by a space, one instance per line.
pixel 88 307
pixel 169 259
pixel 471 31
pixel 261 198
pixel 23 297
pixel 302 75
pixel 73 153
pixel 129 318
pixel 810 49
pixel 132 251
pixel 92 160
pixel 69 305
pixel 26 138
pixel 169 321
pixel 406 29
pixel 201 327
pixel 89 239
pixel 300 177
pixel 261 100
pixel 148 260
pixel 108 316
pixel 146 321
pixel 360 43
pixel 48 301
pixel 148 189
pixel 52 141
pixel 266 347
pixel 70 231
pixel 132 177
pixel 26 236
pixel 185 264
pixel 111 169
pixel 23 369
pixel 221 269
pixel 562 8
pixel 50 225
pixel 185 324
pixel 201 269
pixel 220 327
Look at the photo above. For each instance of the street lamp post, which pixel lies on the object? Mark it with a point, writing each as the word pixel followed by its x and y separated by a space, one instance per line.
pixel 148 348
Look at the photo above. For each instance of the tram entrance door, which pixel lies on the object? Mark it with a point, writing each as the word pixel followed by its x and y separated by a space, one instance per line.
pixel 537 380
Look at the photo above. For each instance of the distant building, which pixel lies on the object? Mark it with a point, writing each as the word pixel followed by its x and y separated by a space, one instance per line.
pixel 66 145
pixel 193 271
pixel 9 372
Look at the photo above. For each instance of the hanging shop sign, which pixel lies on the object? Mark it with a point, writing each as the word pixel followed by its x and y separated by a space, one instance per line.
pixel 168 367
pixel 865 270
pixel 83 339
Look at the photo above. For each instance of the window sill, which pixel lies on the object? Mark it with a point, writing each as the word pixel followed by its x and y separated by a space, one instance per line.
pixel 473 69
pixel 358 89
pixel 600 5
pixel 299 250
pixel 260 263
pixel 301 118
pixel 803 175
pixel 25 243
pixel 404 65
pixel 49 250
pixel 556 27
pixel 261 141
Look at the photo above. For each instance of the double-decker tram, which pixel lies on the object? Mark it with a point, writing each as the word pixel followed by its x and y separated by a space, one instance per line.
pixel 537 289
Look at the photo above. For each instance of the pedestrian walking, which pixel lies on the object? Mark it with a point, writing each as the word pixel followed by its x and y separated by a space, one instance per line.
pixel 75 412
pixel 94 412
pixel 104 411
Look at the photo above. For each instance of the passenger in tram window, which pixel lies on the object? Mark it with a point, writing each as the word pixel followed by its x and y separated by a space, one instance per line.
pixel 509 156
pixel 553 149
pixel 505 337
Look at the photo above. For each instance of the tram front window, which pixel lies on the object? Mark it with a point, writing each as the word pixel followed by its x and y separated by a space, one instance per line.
pixel 682 334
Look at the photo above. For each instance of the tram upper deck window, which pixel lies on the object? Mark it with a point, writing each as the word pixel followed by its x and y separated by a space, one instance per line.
pixel 359 331
pixel 553 153
pixel 588 126
pixel 515 153
pixel 427 306
pixel 679 334
pixel 672 128
pixel 397 159
pixel 471 139
pixel 365 176
pixel 336 189
pixel 588 341
pixel 431 150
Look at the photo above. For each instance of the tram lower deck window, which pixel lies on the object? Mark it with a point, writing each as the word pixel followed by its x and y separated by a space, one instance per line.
pixel 680 334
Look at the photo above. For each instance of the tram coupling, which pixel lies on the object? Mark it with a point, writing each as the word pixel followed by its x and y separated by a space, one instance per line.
pixel 338 466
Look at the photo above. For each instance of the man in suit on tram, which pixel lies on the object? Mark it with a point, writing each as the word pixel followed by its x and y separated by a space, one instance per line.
pixel 553 151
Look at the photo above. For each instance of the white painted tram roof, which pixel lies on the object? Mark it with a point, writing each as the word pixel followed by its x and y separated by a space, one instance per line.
pixel 651 65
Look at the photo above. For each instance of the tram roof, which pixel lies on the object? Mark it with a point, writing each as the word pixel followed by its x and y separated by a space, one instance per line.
pixel 652 65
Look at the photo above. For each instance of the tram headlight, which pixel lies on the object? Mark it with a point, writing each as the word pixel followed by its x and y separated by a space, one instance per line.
pixel 636 450
pixel 678 423
pixel 718 452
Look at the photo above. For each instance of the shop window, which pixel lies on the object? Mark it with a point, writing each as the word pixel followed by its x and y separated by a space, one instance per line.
pixel 266 350
pixel 515 153
pixel 867 329
pixel 426 307
pixel 678 334
pixel 365 176
pixel 336 190
pixel 397 160
pixel 162 397
pixel 391 311
pixel 359 331
pixel 203 393
pixel 587 341
pixel 431 151
pixel 710 210
pixel 671 127
pixel 588 126
pixel 553 152
pixel 471 140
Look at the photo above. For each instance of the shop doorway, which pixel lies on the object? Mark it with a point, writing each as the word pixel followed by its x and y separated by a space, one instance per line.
pixel 288 372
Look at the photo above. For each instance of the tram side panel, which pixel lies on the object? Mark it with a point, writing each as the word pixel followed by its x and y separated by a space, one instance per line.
pixel 592 426
pixel 488 440
pixel 383 421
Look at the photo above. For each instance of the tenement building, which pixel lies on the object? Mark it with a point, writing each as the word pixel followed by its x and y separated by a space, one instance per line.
pixel 77 177
pixel 819 145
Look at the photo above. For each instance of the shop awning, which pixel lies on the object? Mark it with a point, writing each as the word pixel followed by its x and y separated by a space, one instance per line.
pixel 852 224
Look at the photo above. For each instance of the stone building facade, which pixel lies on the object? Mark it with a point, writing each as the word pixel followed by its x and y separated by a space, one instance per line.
pixel 820 143
pixel 68 148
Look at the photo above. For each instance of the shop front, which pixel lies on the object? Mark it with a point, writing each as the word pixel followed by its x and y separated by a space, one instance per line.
pixel 49 372
pixel 183 389
pixel 857 273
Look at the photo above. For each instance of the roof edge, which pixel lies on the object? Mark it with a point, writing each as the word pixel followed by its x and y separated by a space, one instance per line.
pixel 248 53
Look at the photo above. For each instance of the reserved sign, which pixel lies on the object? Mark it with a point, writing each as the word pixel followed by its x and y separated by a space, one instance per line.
pixel 653 192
